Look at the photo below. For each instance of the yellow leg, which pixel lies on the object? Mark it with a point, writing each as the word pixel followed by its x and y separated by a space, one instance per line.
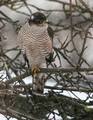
pixel 35 70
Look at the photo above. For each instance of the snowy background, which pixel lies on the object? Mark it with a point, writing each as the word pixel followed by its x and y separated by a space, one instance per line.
pixel 44 4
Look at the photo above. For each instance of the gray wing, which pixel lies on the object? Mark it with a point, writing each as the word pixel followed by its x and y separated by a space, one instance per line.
pixel 49 58
pixel 50 32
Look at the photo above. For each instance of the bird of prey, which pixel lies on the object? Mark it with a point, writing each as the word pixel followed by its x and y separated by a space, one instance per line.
pixel 35 41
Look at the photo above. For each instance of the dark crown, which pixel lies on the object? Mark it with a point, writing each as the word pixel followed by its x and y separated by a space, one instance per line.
pixel 37 18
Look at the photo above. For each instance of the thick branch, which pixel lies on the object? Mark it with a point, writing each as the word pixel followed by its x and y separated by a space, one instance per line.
pixel 65 70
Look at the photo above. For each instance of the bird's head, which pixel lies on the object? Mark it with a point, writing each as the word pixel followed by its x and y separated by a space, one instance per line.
pixel 37 18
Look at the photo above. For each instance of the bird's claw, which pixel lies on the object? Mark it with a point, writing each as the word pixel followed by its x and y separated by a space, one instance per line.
pixel 35 70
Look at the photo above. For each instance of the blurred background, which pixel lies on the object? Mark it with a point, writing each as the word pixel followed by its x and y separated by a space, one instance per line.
pixel 72 23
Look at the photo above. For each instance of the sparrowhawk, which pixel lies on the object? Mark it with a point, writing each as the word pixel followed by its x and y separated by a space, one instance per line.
pixel 35 41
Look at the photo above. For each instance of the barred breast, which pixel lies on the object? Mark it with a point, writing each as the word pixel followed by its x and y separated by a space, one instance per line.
pixel 35 42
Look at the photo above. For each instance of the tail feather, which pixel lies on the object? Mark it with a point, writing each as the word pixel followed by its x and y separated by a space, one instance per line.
pixel 38 83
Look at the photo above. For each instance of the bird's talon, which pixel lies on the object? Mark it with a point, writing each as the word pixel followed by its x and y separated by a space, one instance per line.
pixel 35 70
